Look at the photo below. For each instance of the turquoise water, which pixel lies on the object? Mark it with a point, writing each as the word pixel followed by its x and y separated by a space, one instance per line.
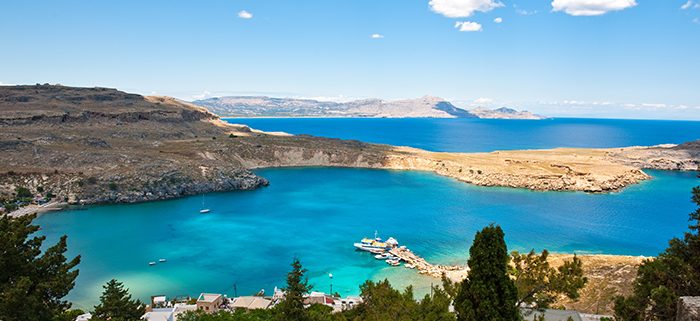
pixel 250 237
pixel 479 135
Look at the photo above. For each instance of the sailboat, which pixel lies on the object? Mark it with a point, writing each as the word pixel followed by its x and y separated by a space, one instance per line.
pixel 204 210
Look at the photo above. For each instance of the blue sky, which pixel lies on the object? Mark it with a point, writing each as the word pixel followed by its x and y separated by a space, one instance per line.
pixel 582 58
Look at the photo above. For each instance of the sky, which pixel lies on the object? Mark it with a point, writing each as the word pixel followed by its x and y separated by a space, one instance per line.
pixel 566 58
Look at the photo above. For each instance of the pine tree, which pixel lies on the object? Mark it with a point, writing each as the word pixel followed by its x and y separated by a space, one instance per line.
pixel 292 306
pixel 32 283
pixel 539 285
pixel 488 293
pixel 380 301
pixel 116 304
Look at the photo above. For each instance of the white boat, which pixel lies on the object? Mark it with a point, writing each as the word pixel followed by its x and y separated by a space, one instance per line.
pixel 161 260
pixel 410 266
pixel 393 262
pixel 152 263
pixel 382 256
pixel 203 210
pixel 376 245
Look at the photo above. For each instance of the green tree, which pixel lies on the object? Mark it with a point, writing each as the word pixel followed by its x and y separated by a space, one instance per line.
pixel 436 307
pixel 68 315
pixel 292 306
pixel 238 315
pixel 539 285
pixel 488 293
pixel 674 273
pixel 32 283
pixel 380 302
pixel 23 192
pixel 116 304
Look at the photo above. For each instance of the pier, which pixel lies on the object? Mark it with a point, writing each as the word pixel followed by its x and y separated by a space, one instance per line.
pixel 435 270
pixel 393 254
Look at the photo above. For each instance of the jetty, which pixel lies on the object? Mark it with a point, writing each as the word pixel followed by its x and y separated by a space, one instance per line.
pixel 424 267
pixel 393 254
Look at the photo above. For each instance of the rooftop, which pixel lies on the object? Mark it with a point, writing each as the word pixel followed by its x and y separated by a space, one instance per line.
pixel 250 302
pixel 208 297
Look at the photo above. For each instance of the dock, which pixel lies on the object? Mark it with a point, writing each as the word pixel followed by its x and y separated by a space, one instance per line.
pixel 424 267
pixel 395 254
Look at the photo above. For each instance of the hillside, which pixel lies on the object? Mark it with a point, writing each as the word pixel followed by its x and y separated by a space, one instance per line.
pixel 424 107
pixel 100 145
pixel 504 113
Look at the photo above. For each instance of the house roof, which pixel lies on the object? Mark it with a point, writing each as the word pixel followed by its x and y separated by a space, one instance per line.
pixel 159 315
pixel 208 297
pixel 251 302
pixel 555 315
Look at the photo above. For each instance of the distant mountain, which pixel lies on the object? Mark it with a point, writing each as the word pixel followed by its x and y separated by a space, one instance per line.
pixel 424 107
pixel 504 113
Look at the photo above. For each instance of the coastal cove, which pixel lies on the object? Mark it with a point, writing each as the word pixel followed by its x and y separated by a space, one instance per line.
pixel 316 214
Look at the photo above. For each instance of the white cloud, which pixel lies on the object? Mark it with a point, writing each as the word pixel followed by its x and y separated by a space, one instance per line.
pixel 4 84
pixel 687 5
pixel 204 95
pixel 523 12
pixel 498 20
pixel 377 36
pixel 483 101
pixel 468 26
pixel 696 20
pixel 591 7
pixel 245 14
pixel 462 8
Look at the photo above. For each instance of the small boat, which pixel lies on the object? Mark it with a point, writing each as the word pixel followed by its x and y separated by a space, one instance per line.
pixel 161 260
pixel 409 266
pixel 393 262
pixel 203 210
pixel 152 263
pixel 383 256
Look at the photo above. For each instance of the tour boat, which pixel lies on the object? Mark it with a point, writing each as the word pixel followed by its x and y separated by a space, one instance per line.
pixel 376 245
pixel 151 263
pixel 162 260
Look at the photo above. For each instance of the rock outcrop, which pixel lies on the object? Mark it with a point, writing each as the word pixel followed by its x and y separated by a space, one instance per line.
pixel 688 308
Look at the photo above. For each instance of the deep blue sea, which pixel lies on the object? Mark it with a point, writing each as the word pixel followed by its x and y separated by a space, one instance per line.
pixel 481 135
pixel 316 214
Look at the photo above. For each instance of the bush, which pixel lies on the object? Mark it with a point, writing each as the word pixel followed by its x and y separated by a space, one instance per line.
pixel 23 192
pixel 112 186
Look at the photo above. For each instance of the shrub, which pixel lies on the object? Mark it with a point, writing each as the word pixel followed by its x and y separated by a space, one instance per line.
pixel 23 192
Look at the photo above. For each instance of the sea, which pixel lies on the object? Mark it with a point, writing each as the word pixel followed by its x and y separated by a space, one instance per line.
pixel 248 240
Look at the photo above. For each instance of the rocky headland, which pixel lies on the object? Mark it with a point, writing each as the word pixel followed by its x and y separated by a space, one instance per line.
pixel 99 145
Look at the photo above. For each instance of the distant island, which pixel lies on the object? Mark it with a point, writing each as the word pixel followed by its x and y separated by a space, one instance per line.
pixel 424 107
